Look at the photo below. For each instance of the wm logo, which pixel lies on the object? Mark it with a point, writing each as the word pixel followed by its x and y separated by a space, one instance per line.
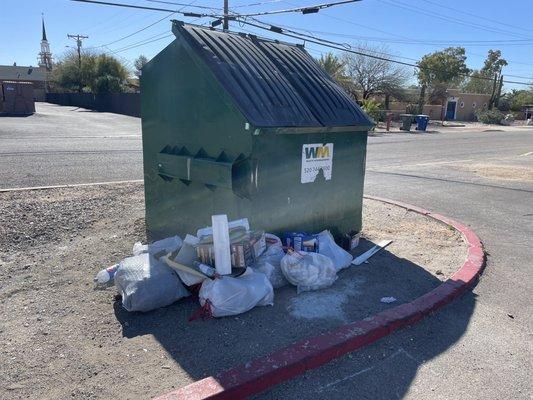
pixel 317 152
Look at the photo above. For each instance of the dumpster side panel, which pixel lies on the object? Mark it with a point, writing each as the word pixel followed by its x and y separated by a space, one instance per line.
pixel 284 203
pixel 185 113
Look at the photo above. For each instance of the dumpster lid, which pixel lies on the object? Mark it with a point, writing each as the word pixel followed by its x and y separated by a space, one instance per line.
pixel 274 84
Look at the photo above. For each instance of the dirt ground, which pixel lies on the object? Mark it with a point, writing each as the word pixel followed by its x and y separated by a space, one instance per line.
pixel 500 172
pixel 60 338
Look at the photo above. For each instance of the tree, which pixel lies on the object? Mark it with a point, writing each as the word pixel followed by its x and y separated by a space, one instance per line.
pixel 109 75
pixel 67 73
pixel 99 73
pixel 439 70
pixel 482 80
pixel 139 63
pixel 515 100
pixel 373 75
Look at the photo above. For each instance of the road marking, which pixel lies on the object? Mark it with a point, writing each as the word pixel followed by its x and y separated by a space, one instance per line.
pixel 71 185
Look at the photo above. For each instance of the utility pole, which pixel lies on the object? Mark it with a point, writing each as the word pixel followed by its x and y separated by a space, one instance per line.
pixel 78 39
pixel 493 95
pixel 499 92
pixel 225 26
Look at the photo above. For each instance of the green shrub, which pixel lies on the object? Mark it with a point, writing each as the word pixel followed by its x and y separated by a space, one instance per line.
pixel 372 108
pixel 490 116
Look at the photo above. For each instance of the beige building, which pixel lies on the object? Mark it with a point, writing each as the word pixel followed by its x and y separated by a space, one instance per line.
pixel 463 106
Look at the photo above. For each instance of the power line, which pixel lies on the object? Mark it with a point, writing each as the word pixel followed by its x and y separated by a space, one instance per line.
pixel 346 45
pixel 342 47
pixel 172 12
pixel 450 19
pixel 476 16
pixel 304 10
pixel 257 4
pixel 279 30
pixel 184 4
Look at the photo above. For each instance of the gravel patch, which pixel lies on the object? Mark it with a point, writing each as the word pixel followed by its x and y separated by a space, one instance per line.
pixel 60 338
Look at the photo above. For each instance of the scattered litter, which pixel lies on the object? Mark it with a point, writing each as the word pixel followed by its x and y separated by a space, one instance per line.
pixel 106 276
pixel 168 245
pixel 354 240
pixel 510 316
pixel 308 271
pixel 327 247
pixel 198 269
pixel 146 283
pixel 439 272
pixel 269 263
pixel 226 295
pixel 208 230
pixel 388 300
pixel 301 241
pixel 366 255
pixel 186 256
pixel 221 244
pixel 245 247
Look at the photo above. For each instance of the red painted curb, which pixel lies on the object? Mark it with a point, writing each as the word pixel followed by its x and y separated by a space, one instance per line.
pixel 264 372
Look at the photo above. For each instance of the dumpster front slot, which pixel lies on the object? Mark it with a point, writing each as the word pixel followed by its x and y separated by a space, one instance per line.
pixel 239 175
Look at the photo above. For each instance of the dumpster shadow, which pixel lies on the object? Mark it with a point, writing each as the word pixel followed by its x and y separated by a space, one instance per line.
pixel 205 347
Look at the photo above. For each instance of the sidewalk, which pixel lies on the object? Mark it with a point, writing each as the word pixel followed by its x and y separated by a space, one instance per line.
pixel 454 126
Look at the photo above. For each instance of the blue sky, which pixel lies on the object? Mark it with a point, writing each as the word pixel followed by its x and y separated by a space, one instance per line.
pixel 408 28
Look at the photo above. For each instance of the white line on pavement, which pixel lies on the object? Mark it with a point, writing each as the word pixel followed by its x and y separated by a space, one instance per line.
pixel 70 185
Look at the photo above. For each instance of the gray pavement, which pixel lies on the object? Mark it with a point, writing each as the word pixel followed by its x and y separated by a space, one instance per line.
pixel 65 145
pixel 479 347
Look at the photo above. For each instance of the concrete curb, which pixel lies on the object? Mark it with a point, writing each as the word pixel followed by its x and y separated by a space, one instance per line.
pixel 67 186
pixel 265 372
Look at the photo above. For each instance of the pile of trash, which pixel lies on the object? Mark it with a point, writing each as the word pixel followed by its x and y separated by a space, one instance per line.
pixel 231 267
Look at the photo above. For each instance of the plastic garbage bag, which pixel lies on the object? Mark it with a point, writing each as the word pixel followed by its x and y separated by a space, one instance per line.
pixel 169 245
pixel 308 271
pixel 327 247
pixel 231 296
pixel 146 283
pixel 269 263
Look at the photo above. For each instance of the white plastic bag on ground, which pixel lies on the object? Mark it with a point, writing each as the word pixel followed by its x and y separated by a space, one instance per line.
pixel 146 283
pixel 308 271
pixel 232 296
pixel 327 247
pixel 169 245
pixel 269 263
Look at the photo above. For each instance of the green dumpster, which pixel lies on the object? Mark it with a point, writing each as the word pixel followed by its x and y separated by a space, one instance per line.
pixel 249 127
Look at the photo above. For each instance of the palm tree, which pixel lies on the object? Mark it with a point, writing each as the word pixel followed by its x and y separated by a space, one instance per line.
pixel 334 67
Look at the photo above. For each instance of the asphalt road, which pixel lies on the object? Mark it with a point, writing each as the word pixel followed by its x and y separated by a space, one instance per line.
pixel 479 347
pixel 66 145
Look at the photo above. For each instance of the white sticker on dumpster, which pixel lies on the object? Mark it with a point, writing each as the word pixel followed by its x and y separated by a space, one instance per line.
pixel 316 157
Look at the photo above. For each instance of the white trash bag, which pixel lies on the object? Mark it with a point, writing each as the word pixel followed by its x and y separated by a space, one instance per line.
pixel 232 296
pixel 308 271
pixel 168 244
pixel 327 247
pixel 146 283
pixel 269 263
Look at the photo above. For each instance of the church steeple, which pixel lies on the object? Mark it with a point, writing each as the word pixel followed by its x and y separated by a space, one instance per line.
pixel 45 56
pixel 44 31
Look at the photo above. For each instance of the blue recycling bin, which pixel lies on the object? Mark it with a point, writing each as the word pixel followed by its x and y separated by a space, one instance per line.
pixel 422 122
